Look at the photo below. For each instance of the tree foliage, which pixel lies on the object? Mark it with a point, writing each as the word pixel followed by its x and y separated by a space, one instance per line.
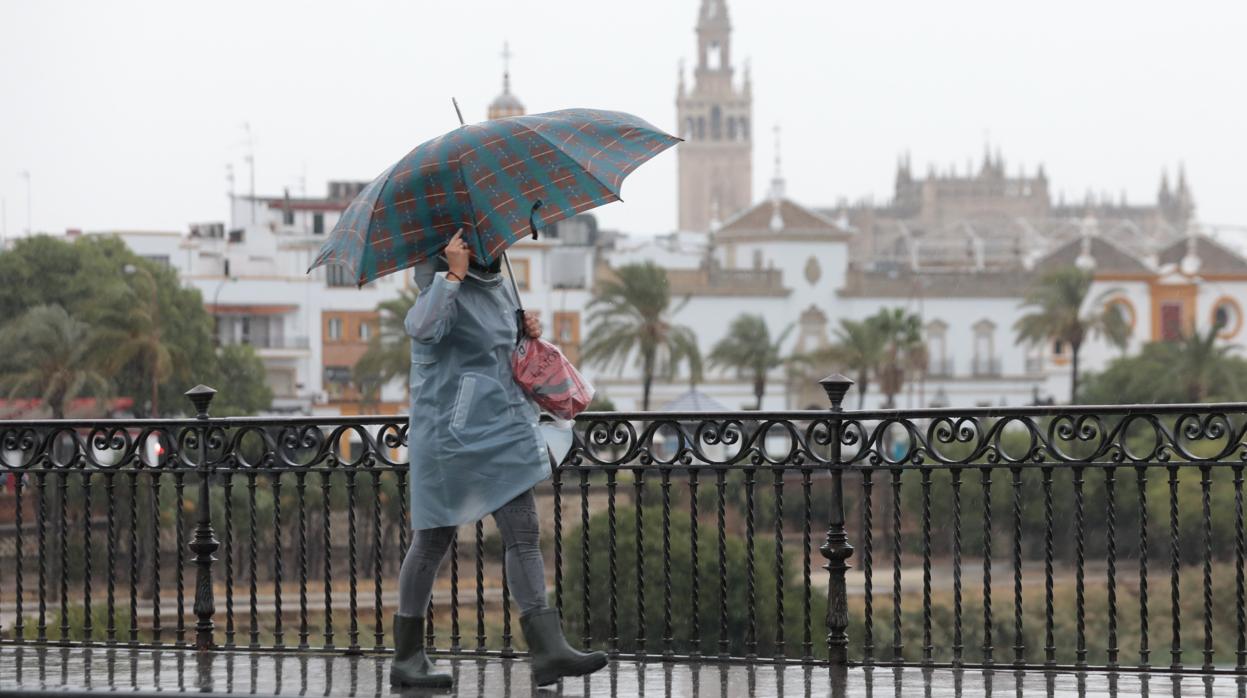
pixel 142 323
pixel 749 350
pixel 1195 369
pixel 631 314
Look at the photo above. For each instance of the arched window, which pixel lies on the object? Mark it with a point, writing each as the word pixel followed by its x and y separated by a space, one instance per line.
pixel 744 128
pixel 714 56
pixel 731 128
pixel 701 128
pixel 716 123
pixel 688 127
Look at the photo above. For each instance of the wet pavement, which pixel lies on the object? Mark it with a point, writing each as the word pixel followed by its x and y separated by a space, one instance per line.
pixel 27 669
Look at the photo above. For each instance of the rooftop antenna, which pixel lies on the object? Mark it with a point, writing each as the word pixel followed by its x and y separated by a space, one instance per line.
pixel 25 174
pixel 250 160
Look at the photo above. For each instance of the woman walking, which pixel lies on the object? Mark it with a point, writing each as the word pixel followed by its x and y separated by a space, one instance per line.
pixel 475 450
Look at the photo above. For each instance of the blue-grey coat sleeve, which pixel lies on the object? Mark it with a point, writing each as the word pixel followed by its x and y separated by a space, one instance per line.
pixel 434 312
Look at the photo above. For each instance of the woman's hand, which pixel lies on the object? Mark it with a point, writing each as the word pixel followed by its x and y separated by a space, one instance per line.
pixel 532 323
pixel 457 255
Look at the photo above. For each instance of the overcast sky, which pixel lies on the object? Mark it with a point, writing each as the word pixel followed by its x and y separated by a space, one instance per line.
pixel 127 113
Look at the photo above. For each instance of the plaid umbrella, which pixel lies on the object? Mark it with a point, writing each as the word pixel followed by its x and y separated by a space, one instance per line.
pixel 498 180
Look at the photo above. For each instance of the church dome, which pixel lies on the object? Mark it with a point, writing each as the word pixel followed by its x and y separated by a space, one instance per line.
pixel 505 104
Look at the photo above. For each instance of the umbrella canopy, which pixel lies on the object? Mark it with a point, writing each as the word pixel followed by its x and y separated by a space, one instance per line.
pixel 498 180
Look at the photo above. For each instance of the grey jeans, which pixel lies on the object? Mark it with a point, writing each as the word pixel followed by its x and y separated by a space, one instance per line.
pixel 526 577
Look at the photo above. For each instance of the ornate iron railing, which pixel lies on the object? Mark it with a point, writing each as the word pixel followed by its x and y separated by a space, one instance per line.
pixel 293 529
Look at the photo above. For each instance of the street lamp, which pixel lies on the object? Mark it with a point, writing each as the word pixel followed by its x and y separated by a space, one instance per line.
pixel 134 269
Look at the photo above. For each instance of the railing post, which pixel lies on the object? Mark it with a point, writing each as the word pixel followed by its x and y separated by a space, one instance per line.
pixel 836 548
pixel 204 543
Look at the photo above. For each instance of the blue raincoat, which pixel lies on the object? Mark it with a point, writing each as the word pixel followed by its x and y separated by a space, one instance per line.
pixel 474 442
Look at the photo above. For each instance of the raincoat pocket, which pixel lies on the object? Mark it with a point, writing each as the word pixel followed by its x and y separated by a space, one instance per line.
pixel 421 359
pixel 479 403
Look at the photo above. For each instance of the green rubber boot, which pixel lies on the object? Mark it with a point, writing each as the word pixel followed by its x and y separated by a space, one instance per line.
pixel 552 657
pixel 411 666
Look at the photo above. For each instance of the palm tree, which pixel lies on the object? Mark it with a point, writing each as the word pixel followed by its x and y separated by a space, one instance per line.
pixel 1200 365
pixel 858 346
pixel 631 313
pixel 1058 300
pixel 50 354
pixel 902 348
pixel 748 348
pixel 129 332
pixel 388 356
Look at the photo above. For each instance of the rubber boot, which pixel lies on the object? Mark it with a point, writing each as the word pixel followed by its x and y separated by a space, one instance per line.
pixel 552 657
pixel 411 666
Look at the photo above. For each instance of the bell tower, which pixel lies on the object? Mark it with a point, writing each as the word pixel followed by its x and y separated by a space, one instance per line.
pixel 715 120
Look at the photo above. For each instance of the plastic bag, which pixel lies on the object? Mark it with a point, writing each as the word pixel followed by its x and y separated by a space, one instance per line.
pixel 550 379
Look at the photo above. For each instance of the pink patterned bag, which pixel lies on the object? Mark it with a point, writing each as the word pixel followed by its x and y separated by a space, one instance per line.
pixel 550 379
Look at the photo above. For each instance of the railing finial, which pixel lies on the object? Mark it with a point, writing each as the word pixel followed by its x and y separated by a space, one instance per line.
pixel 201 397
pixel 836 386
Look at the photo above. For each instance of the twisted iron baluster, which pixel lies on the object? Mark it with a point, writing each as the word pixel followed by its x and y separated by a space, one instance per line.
pixel 556 481
pixel 666 562
pixel 19 623
pixel 279 636
pixel 1141 483
pixel 1110 495
pixel 1019 643
pixel 300 488
pixel 926 566
pixel 42 627
pixel 134 562
pixel 751 636
pixel 1049 634
pixel 228 545
pixel 1079 570
pixel 958 639
pixel 986 479
pixel 456 636
pixel 63 544
pixel 868 556
pixel 586 603
pixel 1175 560
pixel 179 491
pixel 252 562
pixel 694 566
pixel 779 560
pixel 110 494
pixel 327 542
pixel 612 562
pixel 1239 583
pixel 641 631
pixel 480 587
pixel 87 550
pixel 378 622
pixel 807 637
pixel 720 486
pixel 352 560
pixel 507 649
pixel 1205 483
pixel 898 646
pixel 154 484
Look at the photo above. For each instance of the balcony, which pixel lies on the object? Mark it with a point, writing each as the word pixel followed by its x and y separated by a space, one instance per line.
pixel 755 552
pixel 941 367
pixel 985 366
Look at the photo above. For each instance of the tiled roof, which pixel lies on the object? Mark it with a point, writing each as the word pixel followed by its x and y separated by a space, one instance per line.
pixel 796 218
pixel 1109 258
pixel 1214 258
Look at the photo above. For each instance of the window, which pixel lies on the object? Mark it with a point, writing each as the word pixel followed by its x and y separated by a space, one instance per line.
pixel 1227 317
pixel 338 276
pixel 520 268
pixel 1171 322
pixel 714 56
pixel 938 362
pixel 701 127
pixel 985 361
pixel 716 123
pixel 287 216
pixel 333 330
pixel 337 381
pixel 318 224
pixel 236 235
pixel 365 331
pixel 757 259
